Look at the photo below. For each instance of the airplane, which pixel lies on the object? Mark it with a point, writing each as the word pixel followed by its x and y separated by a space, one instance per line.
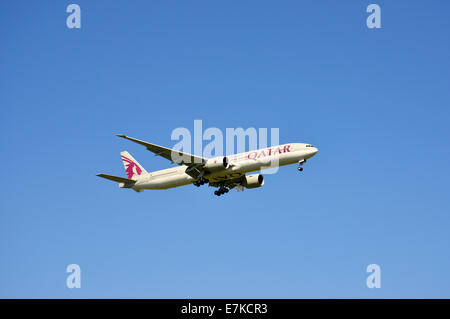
pixel 223 172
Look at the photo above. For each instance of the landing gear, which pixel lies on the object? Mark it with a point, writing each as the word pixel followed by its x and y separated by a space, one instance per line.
pixel 200 181
pixel 300 168
pixel 221 190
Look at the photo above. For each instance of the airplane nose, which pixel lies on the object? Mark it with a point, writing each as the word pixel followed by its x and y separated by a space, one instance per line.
pixel 314 150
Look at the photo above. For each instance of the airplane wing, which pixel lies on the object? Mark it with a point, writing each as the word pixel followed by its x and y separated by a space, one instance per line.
pixel 172 155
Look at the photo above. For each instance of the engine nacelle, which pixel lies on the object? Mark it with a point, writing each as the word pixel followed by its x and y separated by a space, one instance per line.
pixel 217 164
pixel 253 181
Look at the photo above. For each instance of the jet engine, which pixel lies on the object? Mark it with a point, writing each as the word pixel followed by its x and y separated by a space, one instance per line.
pixel 253 181
pixel 217 164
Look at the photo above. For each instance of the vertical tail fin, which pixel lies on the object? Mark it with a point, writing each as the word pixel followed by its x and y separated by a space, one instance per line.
pixel 132 167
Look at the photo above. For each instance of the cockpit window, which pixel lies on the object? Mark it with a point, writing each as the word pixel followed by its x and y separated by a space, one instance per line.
pixel 309 145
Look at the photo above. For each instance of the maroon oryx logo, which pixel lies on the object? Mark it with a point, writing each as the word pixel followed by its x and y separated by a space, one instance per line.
pixel 131 167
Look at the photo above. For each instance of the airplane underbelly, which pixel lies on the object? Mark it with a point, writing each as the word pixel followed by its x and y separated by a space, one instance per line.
pixel 169 182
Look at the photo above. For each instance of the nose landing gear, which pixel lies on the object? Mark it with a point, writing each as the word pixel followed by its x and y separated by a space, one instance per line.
pixel 300 163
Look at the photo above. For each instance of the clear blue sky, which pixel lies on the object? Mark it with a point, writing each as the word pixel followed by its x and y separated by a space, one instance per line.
pixel 375 103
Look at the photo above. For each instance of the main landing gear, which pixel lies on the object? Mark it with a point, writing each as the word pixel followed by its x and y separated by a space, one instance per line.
pixel 221 190
pixel 200 181
pixel 300 168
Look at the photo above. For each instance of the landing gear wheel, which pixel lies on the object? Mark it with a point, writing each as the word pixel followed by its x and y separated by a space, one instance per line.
pixel 300 168
pixel 200 182
pixel 222 190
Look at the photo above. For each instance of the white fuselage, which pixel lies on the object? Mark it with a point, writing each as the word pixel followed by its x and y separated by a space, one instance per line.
pixel 240 164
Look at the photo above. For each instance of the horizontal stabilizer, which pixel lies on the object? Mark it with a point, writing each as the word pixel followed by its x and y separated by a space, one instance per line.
pixel 117 179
